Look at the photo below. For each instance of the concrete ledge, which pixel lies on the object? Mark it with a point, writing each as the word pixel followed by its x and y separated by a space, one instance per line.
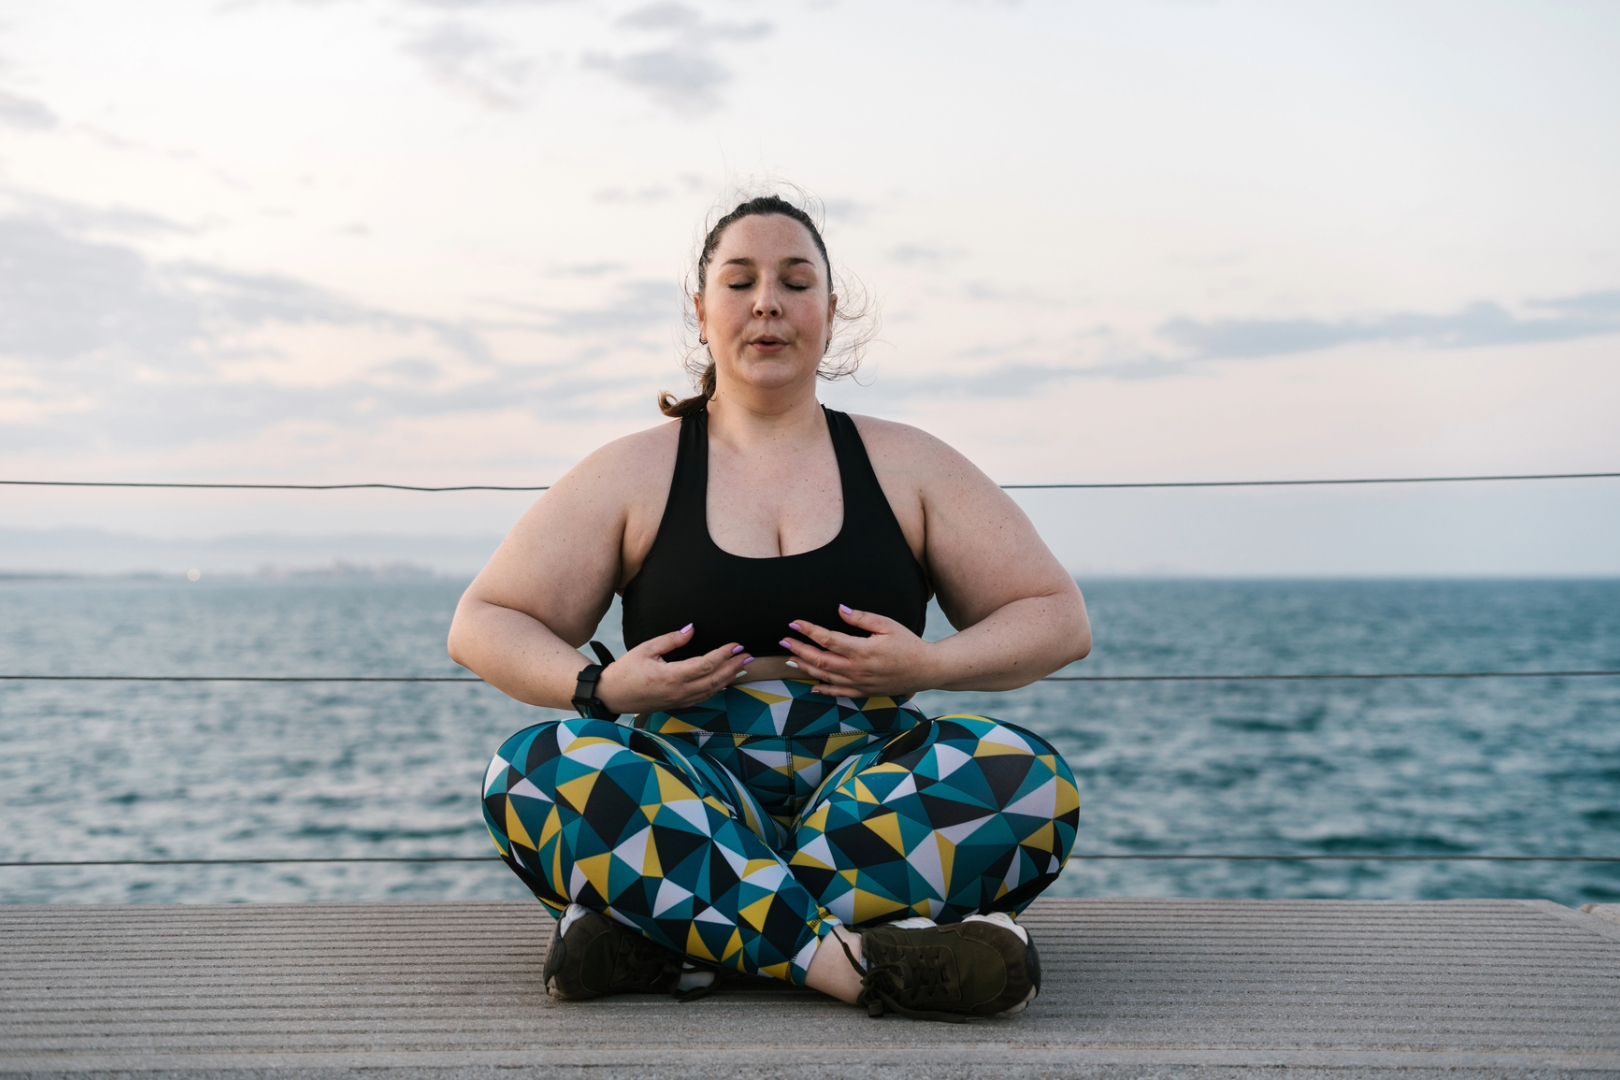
pixel 1134 988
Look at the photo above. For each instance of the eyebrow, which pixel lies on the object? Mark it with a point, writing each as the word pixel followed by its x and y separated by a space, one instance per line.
pixel 792 260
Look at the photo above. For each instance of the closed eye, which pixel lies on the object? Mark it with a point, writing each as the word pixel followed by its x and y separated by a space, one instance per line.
pixel 750 284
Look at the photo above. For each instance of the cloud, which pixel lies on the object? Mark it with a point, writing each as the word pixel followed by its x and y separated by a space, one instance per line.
pixel 642 304
pixel 26 113
pixel 65 298
pixel 1479 324
pixel 682 75
pixel 847 211
pixel 104 347
pixel 1101 353
pixel 1593 304
pixel 470 62
pixel 690 23
pixel 62 297
pixel 681 80
pixel 81 218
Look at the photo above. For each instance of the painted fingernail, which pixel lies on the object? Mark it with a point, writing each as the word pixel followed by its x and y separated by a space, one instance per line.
pixel 792 665
pixel 735 649
pixel 786 644
pixel 747 660
pixel 687 629
pixel 845 609
pixel 795 626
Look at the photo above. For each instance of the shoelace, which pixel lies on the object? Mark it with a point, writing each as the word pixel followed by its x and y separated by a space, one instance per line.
pixel 880 983
pixel 640 962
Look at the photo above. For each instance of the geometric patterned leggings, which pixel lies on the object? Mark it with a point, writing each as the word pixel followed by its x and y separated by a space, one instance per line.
pixel 742 830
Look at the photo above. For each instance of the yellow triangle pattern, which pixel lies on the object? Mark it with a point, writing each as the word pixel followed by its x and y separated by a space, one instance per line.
pixel 781 971
pixel 652 867
pixel 986 748
pixel 862 792
pixel 514 827
pixel 694 944
pixel 733 947
pixel 851 876
pixel 801 859
pixel 947 857
pixel 671 789
pixel 754 866
pixel 1068 798
pixel 869 906
pixel 577 791
pixel 1043 838
pixel 551 827
pixel 887 826
pixel 885 767
pixel 754 914
pixel 595 869
pixel 761 695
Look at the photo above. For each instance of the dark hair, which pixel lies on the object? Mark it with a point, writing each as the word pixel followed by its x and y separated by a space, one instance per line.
pixel 700 365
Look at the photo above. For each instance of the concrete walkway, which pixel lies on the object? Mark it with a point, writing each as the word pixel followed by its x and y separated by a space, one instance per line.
pixel 1138 988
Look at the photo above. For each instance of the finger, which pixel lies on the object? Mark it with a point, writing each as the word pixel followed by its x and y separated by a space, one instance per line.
pixel 725 659
pixel 811 669
pixel 667 643
pixel 812 661
pixel 830 640
pixel 829 690
pixel 867 620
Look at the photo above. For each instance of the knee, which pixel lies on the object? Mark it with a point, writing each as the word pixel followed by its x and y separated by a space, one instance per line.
pixel 1024 768
pixel 536 744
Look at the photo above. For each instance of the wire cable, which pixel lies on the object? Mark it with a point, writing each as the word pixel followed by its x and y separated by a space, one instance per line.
pixel 1326 675
pixel 1007 487
pixel 1202 855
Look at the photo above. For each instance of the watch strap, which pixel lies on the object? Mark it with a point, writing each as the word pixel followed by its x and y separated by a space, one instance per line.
pixel 585 701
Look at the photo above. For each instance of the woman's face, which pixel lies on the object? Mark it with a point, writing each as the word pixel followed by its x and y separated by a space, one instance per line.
pixel 766 308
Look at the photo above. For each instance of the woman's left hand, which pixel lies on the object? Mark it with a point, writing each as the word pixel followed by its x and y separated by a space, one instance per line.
pixel 891 662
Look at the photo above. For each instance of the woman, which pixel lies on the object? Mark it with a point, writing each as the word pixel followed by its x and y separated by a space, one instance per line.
pixel 771 790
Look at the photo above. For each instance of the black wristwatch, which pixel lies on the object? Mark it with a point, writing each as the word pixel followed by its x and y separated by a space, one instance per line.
pixel 586 703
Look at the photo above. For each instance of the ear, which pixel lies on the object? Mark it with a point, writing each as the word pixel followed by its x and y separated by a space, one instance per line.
pixel 832 308
pixel 697 304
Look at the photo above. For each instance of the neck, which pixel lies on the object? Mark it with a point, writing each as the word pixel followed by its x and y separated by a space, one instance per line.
pixel 760 421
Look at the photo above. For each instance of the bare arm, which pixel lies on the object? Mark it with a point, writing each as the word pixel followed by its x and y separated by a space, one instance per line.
pixel 1019 613
pixel 519 624
pixel 521 621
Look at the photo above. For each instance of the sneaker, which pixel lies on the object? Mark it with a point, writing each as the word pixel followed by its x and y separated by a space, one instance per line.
pixel 984 965
pixel 590 956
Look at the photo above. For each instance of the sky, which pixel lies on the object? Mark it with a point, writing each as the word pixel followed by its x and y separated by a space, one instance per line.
pixel 444 242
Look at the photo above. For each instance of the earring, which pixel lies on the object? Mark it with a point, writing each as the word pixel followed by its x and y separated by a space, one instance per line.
pixel 702 340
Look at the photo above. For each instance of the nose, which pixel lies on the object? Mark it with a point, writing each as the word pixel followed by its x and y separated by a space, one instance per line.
pixel 766 303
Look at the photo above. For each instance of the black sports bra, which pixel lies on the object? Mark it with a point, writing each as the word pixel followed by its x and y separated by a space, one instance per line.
pixel 687 578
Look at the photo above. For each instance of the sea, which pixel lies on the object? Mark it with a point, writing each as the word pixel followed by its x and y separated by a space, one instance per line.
pixel 1402 781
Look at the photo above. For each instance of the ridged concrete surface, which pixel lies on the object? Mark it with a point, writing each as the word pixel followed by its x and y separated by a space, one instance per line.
pixel 1134 988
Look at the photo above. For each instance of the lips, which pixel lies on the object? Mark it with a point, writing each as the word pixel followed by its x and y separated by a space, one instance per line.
pixel 767 341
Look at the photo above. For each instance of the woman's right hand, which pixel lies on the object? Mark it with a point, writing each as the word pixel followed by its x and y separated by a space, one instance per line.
pixel 642 680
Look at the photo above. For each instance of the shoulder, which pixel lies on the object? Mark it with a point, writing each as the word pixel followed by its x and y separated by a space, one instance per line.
pixel 629 462
pixel 906 449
